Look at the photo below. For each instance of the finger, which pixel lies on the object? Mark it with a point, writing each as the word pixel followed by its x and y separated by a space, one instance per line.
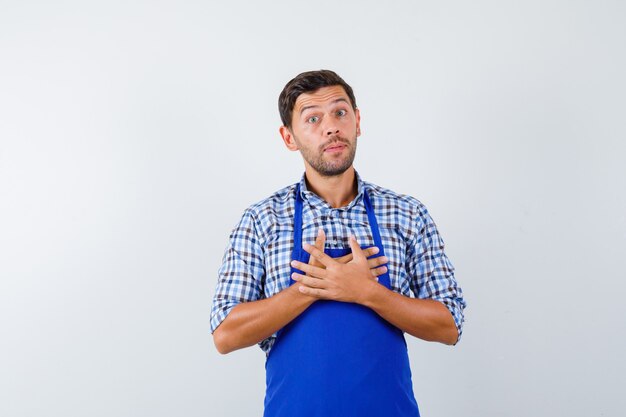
pixel 308 281
pixel 315 262
pixel 372 250
pixel 314 292
pixel 344 259
pixel 320 255
pixel 320 240
pixel 311 270
pixel 357 252
pixel 374 262
pixel 379 271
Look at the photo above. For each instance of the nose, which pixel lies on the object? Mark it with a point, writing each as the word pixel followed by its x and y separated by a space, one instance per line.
pixel 331 129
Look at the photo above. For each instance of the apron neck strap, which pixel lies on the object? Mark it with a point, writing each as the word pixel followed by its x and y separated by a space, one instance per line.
pixel 373 222
pixel 297 224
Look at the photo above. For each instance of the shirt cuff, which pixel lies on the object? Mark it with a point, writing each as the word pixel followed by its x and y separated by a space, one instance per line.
pixel 219 314
pixel 457 315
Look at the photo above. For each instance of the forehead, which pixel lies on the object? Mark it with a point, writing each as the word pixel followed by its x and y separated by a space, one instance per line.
pixel 320 97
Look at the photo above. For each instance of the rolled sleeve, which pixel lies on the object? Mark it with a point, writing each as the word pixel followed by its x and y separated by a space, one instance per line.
pixel 242 270
pixel 430 270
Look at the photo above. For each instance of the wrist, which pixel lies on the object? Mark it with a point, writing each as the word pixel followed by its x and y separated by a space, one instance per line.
pixel 369 293
pixel 300 297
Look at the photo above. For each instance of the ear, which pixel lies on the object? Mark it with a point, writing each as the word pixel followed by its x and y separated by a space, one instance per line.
pixel 288 138
pixel 357 113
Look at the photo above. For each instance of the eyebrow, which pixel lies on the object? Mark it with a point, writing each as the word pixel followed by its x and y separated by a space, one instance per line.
pixel 334 101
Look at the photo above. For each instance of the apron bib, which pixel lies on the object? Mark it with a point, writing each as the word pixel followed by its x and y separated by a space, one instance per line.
pixel 338 359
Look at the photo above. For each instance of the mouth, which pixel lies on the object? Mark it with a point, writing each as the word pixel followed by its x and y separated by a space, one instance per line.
pixel 336 147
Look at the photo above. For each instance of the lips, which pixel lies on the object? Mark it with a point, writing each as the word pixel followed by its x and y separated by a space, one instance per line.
pixel 335 147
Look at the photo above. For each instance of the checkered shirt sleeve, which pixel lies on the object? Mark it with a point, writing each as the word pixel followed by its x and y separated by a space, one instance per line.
pixel 241 272
pixel 431 272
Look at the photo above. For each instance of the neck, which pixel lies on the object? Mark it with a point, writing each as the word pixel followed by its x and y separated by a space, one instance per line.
pixel 338 191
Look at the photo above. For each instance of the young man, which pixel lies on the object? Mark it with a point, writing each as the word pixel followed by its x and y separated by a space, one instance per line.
pixel 329 273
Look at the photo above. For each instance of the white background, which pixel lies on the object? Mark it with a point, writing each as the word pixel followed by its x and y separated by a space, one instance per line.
pixel 134 134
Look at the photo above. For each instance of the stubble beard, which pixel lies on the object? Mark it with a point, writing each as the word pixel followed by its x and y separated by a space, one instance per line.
pixel 330 167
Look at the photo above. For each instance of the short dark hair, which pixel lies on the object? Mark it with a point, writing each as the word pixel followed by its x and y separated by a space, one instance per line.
pixel 308 82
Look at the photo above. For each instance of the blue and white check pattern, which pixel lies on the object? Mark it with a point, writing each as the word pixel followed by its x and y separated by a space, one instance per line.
pixel 256 261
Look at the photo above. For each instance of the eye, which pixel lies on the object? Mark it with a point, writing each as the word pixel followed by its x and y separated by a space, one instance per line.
pixel 313 119
pixel 341 112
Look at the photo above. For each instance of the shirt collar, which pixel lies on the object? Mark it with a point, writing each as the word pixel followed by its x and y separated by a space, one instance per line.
pixel 311 196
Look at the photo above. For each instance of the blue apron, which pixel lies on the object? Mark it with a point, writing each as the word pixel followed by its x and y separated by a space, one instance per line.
pixel 338 359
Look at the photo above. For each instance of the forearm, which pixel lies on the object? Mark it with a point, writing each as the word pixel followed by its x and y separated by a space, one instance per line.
pixel 423 318
pixel 251 322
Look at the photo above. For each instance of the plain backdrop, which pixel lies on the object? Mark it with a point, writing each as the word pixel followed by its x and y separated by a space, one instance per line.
pixel 133 134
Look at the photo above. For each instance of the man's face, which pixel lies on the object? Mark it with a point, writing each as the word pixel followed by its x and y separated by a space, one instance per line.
pixel 324 129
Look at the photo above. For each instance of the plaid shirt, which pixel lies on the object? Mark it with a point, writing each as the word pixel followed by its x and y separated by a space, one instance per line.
pixel 256 261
